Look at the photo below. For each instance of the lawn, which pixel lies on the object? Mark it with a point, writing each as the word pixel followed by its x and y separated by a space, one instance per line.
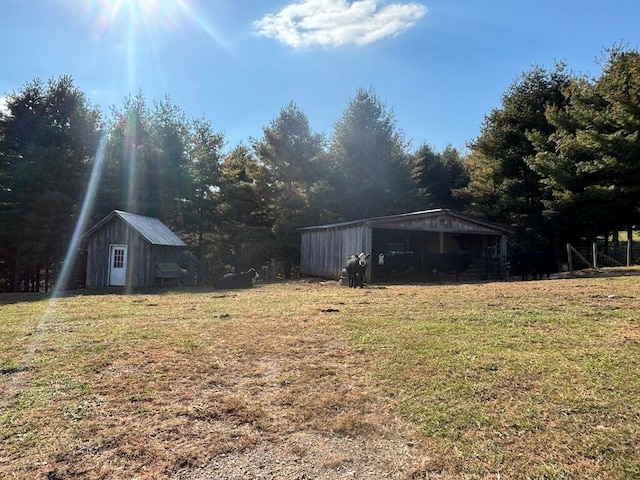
pixel 308 379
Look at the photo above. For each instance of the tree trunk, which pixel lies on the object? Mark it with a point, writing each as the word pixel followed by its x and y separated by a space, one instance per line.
pixel 287 269
pixel 200 233
pixel 17 278
pixel 36 279
pixel 237 257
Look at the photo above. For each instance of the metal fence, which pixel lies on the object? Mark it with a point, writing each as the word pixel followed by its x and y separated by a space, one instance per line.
pixel 601 254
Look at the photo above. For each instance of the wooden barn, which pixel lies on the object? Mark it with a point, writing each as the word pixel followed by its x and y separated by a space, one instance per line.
pixel 125 249
pixel 399 244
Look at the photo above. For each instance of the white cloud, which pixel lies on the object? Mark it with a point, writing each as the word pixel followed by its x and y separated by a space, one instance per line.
pixel 332 23
pixel 4 108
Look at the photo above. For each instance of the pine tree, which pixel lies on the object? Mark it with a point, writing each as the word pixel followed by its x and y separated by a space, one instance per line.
pixel 47 147
pixel 245 211
pixel 502 186
pixel 293 155
pixel 590 166
pixel 372 169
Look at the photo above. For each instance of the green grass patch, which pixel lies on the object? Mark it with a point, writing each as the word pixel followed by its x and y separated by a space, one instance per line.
pixel 514 379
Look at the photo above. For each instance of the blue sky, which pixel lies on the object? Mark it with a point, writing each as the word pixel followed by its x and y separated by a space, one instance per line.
pixel 439 65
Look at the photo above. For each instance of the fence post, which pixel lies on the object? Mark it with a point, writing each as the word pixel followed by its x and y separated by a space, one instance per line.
pixel 569 258
pixel 594 249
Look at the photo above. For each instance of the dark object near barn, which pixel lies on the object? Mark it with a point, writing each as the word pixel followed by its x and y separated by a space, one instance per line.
pixel 398 260
pixel 236 280
pixel 537 264
pixel 457 262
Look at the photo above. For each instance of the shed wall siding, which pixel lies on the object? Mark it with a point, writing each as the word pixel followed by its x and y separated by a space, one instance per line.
pixel 141 256
pixel 98 252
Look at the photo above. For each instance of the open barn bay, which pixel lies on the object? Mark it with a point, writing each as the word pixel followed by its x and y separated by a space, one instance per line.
pixel 312 380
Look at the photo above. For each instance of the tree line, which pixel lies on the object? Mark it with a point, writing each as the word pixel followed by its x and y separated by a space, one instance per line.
pixel 558 160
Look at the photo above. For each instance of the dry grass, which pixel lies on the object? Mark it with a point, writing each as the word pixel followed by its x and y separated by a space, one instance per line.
pixel 500 380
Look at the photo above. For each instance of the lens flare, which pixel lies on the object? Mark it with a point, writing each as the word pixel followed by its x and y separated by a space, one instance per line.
pixel 153 15
pixel 71 256
pixel 137 26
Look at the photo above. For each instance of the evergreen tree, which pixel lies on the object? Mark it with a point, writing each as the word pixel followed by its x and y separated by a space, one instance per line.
pixel 373 171
pixel 292 154
pixel 245 212
pixel 590 165
pixel 168 174
pixel 128 148
pixel 147 168
pixel 502 187
pixel 618 140
pixel 47 145
pixel 437 175
pixel 204 151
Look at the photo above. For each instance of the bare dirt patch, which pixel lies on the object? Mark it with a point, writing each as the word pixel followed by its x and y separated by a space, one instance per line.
pixel 306 380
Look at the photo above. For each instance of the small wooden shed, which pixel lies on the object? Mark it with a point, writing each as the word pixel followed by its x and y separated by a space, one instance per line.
pixel 325 248
pixel 125 249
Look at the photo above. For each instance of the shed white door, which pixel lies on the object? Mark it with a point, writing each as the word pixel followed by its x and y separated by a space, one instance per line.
pixel 117 265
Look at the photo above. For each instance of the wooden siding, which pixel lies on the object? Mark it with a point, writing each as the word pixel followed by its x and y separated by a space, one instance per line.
pixel 325 248
pixel 141 255
pixel 324 251
pixel 437 222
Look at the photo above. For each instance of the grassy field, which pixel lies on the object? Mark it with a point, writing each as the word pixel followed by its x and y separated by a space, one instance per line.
pixel 498 380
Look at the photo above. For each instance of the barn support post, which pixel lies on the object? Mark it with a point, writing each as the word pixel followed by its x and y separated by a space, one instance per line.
pixel 629 245
pixel 504 256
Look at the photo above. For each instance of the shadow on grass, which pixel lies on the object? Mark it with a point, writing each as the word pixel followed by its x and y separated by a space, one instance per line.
pixel 30 297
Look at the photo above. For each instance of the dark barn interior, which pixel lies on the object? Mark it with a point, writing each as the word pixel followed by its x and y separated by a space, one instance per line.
pixel 423 246
pixel 405 251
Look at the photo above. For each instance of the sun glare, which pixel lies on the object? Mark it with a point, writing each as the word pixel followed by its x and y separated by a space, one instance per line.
pixel 162 13
pixel 152 16
pixel 138 21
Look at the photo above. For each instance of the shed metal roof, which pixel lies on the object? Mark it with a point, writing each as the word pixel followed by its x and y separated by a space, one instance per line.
pixel 150 228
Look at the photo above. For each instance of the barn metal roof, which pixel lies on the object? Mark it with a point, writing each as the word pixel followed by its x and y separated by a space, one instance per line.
pixel 420 214
pixel 150 228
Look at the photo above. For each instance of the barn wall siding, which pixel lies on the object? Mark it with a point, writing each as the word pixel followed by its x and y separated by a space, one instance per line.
pixel 324 252
pixel 443 223
pixel 325 248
